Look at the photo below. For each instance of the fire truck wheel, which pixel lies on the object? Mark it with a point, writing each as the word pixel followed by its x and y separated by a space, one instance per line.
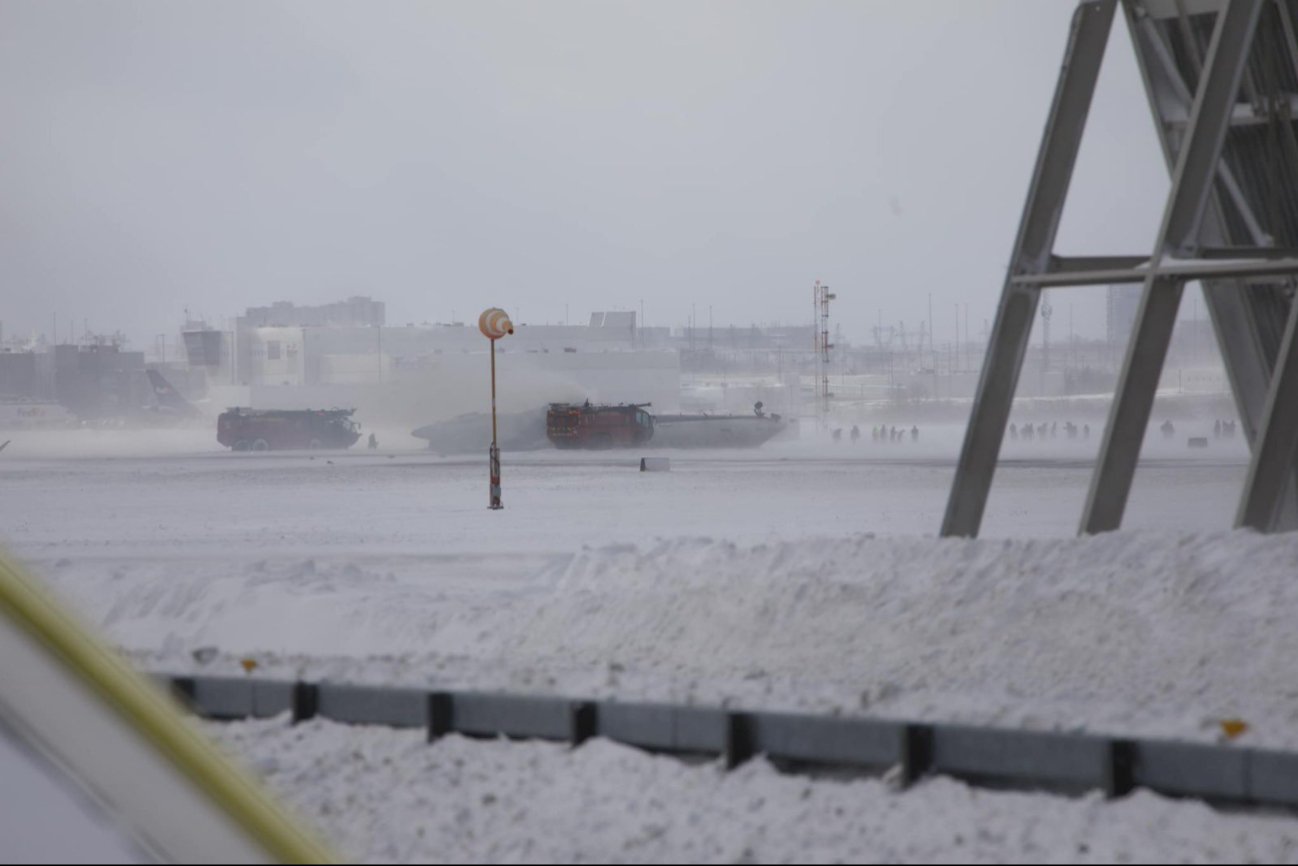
pixel 241 445
pixel 261 445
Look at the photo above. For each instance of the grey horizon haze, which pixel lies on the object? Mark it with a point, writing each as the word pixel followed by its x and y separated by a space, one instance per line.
pixel 452 156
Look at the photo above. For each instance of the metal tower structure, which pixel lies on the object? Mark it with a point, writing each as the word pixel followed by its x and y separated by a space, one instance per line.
pixel 823 296
pixel 1222 81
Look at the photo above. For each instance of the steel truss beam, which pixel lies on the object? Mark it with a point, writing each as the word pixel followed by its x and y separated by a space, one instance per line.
pixel 1179 236
pixel 1031 255
pixel 1192 245
pixel 1133 402
pixel 1073 272
pixel 1276 449
pixel 1235 312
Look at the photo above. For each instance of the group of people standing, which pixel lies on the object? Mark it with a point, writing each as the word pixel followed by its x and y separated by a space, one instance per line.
pixel 882 433
pixel 1049 430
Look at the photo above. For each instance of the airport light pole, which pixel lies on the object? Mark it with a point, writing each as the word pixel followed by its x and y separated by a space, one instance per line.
pixel 494 324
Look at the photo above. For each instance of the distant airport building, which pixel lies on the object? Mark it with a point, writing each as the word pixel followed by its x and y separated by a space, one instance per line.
pixel 92 381
pixel 359 312
pixel 345 354
pixel 18 376
pixel 348 343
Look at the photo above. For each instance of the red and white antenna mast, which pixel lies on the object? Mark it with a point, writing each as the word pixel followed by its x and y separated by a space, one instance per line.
pixel 822 297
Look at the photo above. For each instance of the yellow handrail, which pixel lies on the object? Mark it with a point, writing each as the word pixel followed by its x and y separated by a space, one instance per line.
pixel 149 711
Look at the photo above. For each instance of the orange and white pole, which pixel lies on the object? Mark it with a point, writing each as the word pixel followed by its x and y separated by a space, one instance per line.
pixel 494 324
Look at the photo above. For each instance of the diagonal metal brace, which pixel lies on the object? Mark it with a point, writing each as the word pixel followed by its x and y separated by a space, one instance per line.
pixel 1008 345
pixel 1192 181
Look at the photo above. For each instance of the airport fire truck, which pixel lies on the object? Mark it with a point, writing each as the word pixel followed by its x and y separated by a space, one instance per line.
pixel 585 425
pixel 279 429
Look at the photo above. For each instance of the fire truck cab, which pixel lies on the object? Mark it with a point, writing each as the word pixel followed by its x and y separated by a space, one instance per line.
pixel 586 425
pixel 272 429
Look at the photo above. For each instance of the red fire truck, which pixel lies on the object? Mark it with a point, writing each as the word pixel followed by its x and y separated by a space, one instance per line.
pixel 263 430
pixel 586 425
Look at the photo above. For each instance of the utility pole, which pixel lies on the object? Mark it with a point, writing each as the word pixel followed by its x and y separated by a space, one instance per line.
pixel 957 356
pixel 1072 341
pixel 1046 312
pixel 932 349
pixel 967 364
pixel 822 297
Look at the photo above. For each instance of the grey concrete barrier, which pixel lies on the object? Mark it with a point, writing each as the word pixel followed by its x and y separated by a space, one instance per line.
pixel 1192 770
pixel 1051 760
pixel 859 743
pixel 664 728
pixel 1273 777
pixel 370 705
pixel 515 716
pixel 230 698
pixel 1000 757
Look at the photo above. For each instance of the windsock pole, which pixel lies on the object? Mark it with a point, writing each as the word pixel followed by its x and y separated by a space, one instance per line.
pixel 494 456
pixel 494 324
pixel 494 433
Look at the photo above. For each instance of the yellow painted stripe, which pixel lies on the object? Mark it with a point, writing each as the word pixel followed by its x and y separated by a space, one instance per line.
pixel 147 709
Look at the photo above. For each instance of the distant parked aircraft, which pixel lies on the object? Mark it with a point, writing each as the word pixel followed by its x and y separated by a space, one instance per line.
pixel 169 401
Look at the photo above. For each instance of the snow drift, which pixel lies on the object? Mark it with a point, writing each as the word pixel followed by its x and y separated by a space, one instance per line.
pixel 1144 633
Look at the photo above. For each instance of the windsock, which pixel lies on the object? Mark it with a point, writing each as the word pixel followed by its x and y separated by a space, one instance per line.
pixel 494 323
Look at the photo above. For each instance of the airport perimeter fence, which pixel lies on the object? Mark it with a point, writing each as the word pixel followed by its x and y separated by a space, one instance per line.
pixel 1069 763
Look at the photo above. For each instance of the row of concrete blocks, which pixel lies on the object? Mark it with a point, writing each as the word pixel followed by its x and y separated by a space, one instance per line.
pixel 1063 762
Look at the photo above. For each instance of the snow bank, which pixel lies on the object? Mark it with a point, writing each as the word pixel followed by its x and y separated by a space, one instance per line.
pixel 92 442
pixel 387 796
pixel 1135 633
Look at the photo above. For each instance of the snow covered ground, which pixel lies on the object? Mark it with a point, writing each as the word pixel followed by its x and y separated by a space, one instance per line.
pixel 387 796
pixel 1142 633
pixel 803 575
pixel 160 491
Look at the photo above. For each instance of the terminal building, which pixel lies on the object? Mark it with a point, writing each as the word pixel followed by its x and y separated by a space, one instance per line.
pixel 93 381
pixel 346 354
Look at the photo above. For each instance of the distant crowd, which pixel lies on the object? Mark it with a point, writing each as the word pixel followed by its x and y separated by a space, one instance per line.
pixel 882 433
pixel 1025 431
pixel 1050 430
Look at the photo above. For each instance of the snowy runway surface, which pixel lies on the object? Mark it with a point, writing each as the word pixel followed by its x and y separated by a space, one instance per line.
pixel 156 502
pixel 795 577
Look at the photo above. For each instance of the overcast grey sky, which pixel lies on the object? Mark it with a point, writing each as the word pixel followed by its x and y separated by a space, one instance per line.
pixel 451 156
